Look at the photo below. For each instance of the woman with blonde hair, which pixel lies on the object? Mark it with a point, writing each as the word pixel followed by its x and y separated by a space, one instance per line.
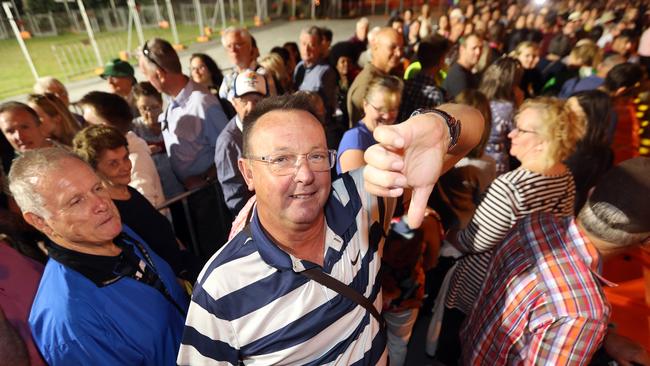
pixel 381 107
pixel 56 120
pixel 527 53
pixel 276 67
pixel 545 134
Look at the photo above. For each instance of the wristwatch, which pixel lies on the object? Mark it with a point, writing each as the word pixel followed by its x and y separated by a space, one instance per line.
pixel 452 123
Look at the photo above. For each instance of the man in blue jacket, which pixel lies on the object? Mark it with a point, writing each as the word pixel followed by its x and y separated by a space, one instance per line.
pixel 105 297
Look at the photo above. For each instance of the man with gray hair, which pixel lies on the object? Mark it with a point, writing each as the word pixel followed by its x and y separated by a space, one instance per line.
pixel 238 44
pixel 49 84
pixel 313 73
pixel 191 125
pixel 105 297
pixel 542 301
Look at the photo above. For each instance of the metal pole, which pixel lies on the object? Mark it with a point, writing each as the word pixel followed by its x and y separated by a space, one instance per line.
pixel 313 9
pixel 21 42
pixel 231 4
pixel 222 8
pixel 172 21
pixel 293 9
pixel 136 20
pixel 129 32
pixel 73 19
pixel 241 13
pixel 199 17
pixel 157 11
pixel 114 8
pixel 89 30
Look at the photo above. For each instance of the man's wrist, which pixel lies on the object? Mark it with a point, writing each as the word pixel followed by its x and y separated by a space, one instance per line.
pixel 453 129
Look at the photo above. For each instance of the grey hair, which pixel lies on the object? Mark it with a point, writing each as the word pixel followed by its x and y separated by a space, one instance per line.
pixel 28 170
pixel 43 84
pixel 603 219
pixel 237 30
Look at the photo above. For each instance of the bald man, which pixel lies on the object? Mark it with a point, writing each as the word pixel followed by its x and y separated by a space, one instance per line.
pixel 387 49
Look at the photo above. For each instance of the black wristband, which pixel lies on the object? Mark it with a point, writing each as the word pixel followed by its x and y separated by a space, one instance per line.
pixel 452 123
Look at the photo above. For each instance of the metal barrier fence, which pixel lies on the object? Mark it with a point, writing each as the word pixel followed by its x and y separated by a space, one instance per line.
pixel 78 58
pixel 183 198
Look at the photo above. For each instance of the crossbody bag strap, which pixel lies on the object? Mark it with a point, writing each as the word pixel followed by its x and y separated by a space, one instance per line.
pixel 328 281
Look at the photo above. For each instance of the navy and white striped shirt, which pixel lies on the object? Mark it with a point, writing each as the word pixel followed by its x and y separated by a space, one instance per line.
pixel 251 303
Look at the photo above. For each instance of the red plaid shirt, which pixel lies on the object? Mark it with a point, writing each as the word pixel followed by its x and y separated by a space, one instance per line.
pixel 542 303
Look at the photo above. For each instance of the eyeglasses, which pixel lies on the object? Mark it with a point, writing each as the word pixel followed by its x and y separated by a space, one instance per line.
pixel 287 164
pixel 147 54
pixel 521 130
pixel 150 108
pixel 383 110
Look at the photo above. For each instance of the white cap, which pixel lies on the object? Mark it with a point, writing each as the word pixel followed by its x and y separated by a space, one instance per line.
pixel 249 81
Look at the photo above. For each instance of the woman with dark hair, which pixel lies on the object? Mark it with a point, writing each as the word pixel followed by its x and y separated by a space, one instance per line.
pixel 106 150
pixel 593 155
pixel 100 108
pixel 500 84
pixel 204 71
pixel 342 58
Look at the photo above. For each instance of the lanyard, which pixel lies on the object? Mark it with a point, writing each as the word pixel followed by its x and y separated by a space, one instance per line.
pixel 144 271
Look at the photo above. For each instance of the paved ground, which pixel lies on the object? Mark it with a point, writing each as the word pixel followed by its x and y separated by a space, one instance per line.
pixel 268 36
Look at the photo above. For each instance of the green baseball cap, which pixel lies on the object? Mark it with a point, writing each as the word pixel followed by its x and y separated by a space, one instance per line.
pixel 117 68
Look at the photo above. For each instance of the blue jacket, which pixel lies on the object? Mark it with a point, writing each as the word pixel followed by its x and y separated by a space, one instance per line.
pixel 75 322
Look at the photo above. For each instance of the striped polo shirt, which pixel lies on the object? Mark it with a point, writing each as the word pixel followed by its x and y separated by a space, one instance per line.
pixel 251 303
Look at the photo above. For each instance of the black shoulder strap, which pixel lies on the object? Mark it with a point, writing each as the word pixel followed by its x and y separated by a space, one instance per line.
pixel 326 280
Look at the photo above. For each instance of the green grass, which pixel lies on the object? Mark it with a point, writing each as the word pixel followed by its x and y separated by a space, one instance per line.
pixel 16 78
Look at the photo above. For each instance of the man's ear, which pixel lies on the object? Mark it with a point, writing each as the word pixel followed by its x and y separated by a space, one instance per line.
pixel 38 222
pixel 160 74
pixel 246 171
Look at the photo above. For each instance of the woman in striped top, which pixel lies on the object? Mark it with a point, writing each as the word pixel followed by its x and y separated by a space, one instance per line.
pixel 546 133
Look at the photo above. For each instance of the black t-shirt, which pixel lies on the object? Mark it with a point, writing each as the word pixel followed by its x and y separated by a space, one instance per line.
pixel 138 214
pixel 459 79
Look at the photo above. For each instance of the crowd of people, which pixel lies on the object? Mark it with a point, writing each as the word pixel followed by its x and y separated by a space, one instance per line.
pixel 475 167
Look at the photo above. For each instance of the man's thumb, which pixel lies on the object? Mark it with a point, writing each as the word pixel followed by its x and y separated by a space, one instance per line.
pixel 418 205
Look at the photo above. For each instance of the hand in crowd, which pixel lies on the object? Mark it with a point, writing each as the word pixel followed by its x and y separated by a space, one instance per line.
pixel 625 351
pixel 409 154
pixel 413 154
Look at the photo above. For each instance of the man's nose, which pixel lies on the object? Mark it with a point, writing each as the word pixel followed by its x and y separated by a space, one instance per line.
pixel 304 173
pixel 99 202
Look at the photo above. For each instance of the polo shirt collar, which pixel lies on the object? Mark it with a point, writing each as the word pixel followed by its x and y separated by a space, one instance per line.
pixel 586 250
pixel 183 97
pixel 338 218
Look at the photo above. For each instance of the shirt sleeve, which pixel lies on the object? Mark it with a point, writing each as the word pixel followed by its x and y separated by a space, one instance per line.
pixel 207 339
pixel 329 90
pixel 566 341
pixel 215 122
pixel 144 175
pixel 232 182
pixel 494 217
